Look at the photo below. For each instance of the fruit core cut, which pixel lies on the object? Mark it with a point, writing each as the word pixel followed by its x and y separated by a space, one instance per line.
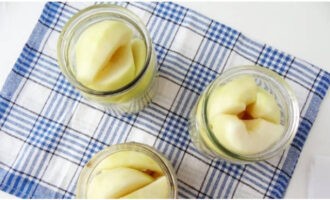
pixel 245 115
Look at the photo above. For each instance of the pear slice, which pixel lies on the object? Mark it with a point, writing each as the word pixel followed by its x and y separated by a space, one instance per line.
pixel 233 97
pixel 263 134
pixel 158 189
pixel 230 131
pixel 131 159
pixel 245 136
pixel 119 71
pixel 116 183
pixel 139 54
pixel 265 107
pixel 100 47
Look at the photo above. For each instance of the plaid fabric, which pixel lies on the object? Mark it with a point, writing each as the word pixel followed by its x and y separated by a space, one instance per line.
pixel 48 131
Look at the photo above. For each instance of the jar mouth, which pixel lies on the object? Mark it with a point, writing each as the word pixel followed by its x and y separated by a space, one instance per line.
pixel 290 110
pixel 88 170
pixel 99 13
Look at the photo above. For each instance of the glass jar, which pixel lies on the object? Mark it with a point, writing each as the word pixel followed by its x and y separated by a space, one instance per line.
pixel 204 139
pixel 133 96
pixel 87 172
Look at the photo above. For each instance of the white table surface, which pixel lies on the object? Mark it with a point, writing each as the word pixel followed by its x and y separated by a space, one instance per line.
pixel 301 29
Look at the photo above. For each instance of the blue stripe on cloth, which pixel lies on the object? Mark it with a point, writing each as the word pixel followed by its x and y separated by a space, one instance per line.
pixel 48 136
pixel 41 191
pixel 170 11
pixel 218 186
pixel 323 84
pixel 112 130
pixel 52 10
pixel 184 103
pixel 175 131
pixel 197 154
pixel 37 35
pixel 19 122
pixel 248 48
pixel 223 34
pixel 151 119
pixel 64 87
pixel 275 60
pixel 91 149
pixel 194 19
pixel 4 104
pixel 175 66
pixel 172 152
pixel 218 175
pixel 13 81
pixel 212 55
pixel 162 32
pixel 186 192
pixel 144 6
pixel 199 77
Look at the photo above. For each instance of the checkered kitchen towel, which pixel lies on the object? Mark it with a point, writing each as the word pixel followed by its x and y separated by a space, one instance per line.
pixel 48 131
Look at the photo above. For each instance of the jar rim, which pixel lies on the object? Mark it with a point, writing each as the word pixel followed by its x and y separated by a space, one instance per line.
pixel 75 21
pixel 89 167
pixel 292 102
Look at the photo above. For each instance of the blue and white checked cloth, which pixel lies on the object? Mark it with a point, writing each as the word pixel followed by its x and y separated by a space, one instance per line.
pixel 48 131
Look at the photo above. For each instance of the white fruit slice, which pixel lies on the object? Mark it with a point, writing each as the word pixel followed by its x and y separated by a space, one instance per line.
pixel 131 159
pixel 158 189
pixel 233 97
pixel 116 183
pixel 265 107
pixel 139 54
pixel 96 47
pixel 245 136
pixel 231 132
pixel 119 71
pixel 263 134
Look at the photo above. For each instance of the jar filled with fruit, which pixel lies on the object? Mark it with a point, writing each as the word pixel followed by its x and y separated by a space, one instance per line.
pixel 106 53
pixel 129 171
pixel 247 114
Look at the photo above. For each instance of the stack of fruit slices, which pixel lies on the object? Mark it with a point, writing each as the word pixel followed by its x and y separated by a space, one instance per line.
pixel 128 174
pixel 108 56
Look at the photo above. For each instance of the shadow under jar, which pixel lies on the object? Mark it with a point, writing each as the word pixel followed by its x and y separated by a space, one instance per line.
pixel 134 95
pixel 204 138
